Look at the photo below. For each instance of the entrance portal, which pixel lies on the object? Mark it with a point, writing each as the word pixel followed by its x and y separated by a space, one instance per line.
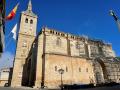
pixel 100 71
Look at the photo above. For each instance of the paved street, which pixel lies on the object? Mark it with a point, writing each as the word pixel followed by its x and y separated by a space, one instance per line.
pixel 98 88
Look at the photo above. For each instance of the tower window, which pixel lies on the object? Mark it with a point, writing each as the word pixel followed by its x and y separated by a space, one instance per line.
pixel 51 31
pixel 31 21
pixel 26 20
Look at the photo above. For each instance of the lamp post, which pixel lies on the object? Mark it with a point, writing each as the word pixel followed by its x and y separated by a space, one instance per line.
pixel 61 71
pixel 115 18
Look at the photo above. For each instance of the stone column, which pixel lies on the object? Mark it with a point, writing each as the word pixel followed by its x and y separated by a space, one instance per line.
pixel 39 62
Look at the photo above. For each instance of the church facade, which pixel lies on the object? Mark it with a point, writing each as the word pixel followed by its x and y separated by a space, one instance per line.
pixel 39 58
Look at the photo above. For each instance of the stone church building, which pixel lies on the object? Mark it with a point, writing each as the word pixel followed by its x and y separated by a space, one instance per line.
pixel 39 57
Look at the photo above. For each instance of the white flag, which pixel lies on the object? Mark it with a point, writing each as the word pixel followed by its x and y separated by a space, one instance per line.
pixel 14 30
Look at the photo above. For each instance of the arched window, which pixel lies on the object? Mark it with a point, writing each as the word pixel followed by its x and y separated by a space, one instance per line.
pixel 51 31
pixel 58 42
pixel 26 20
pixel 31 21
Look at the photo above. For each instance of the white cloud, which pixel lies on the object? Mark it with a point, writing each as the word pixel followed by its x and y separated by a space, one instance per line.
pixel 6 60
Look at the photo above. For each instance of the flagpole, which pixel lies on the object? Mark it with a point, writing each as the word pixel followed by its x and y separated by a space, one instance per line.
pixel 8 43
pixel 7 35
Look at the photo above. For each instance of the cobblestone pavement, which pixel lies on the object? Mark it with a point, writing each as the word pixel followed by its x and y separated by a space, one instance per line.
pixel 97 88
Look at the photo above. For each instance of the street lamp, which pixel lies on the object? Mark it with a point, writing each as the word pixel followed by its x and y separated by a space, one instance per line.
pixel 61 71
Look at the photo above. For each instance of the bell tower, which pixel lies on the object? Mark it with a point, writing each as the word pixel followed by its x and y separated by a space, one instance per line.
pixel 26 36
pixel 28 21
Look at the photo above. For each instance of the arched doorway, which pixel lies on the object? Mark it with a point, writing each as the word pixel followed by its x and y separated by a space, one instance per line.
pixel 100 71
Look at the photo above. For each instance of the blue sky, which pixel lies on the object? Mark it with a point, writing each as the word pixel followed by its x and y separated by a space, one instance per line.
pixel 88 17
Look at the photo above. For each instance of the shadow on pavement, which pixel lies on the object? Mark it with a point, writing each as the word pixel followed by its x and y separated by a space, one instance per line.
pixel 75 86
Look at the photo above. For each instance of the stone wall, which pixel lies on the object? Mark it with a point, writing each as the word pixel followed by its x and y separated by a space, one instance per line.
pixel 63 43
pixel 76 70
pixel 54 46
pixel 61 51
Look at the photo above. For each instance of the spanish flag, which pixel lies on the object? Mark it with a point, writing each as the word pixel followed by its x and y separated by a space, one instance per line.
pixel 12 13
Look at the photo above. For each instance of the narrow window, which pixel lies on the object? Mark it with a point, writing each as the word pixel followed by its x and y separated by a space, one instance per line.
pixel 66 69
pixel 55 68
pixel 58 42
pixel 79 69
pixel 26 20
pixel 31 21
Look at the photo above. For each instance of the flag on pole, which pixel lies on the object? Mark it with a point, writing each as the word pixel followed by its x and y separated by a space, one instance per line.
pixel 12 13
pixel 14 31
